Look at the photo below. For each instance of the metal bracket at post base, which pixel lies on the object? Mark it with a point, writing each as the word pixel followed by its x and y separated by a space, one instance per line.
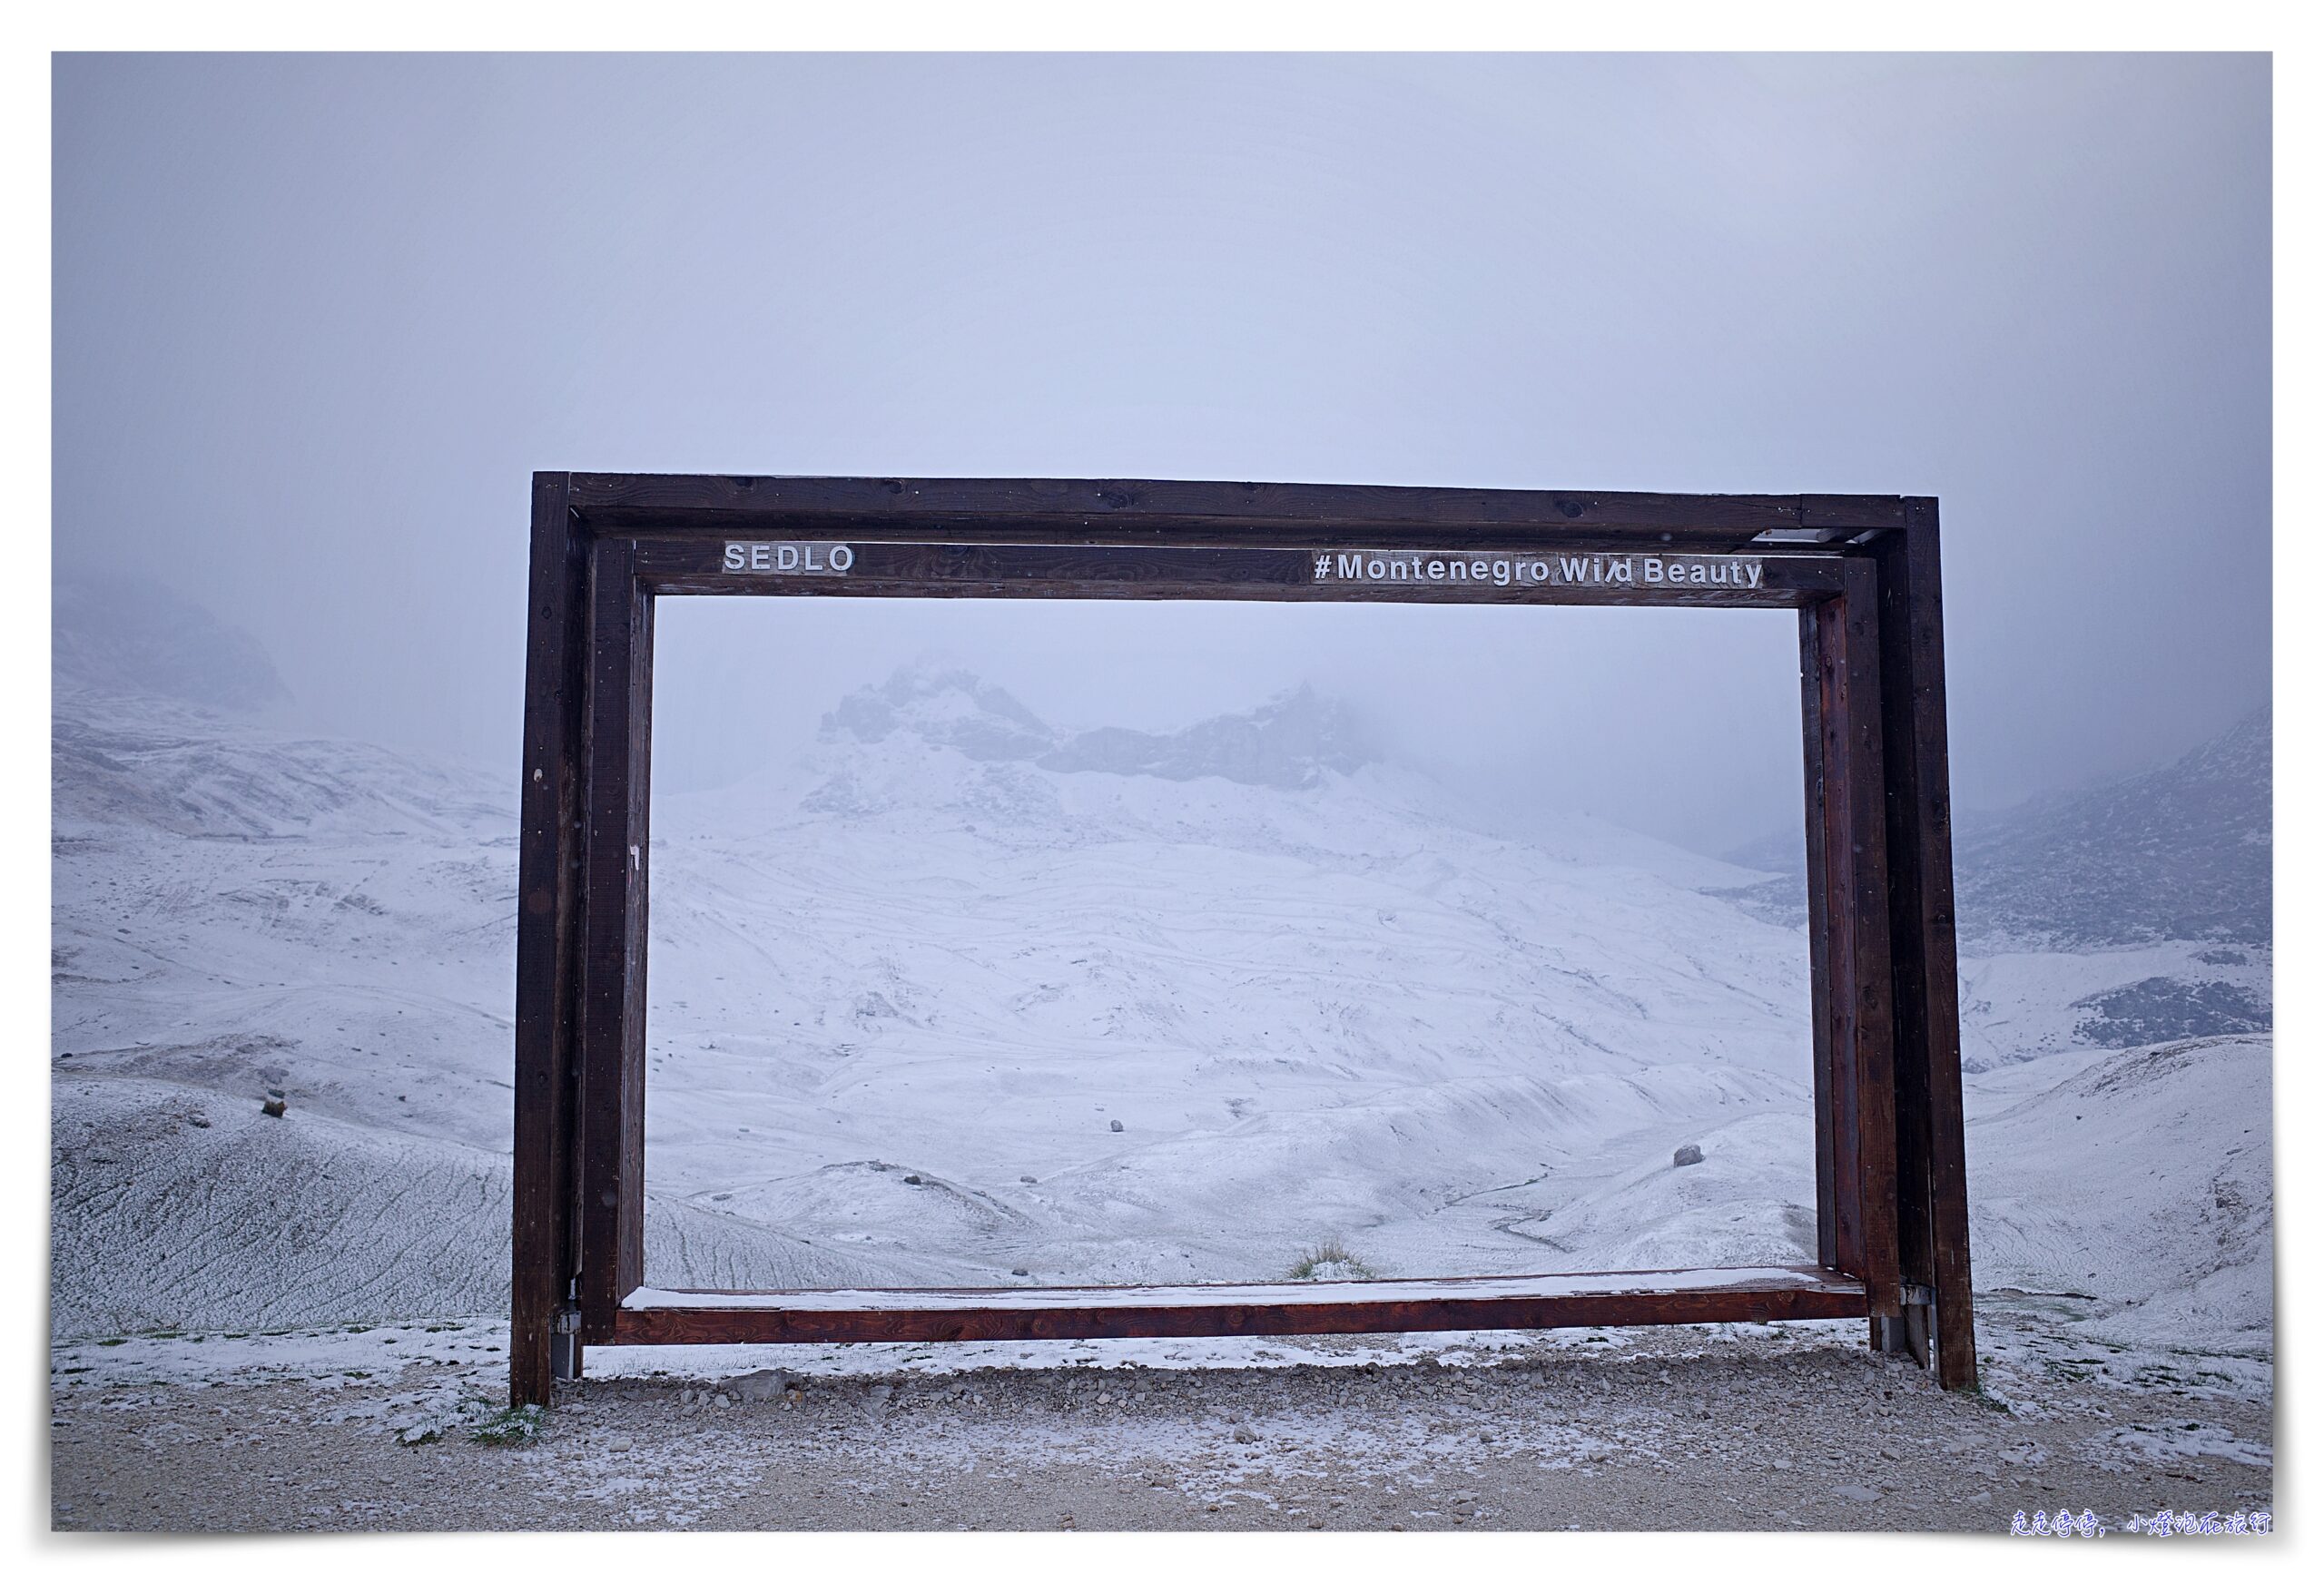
pixel 565 1345
pixel 1914 1333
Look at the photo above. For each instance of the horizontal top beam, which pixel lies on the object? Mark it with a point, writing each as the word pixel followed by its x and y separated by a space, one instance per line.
pixel 1135 509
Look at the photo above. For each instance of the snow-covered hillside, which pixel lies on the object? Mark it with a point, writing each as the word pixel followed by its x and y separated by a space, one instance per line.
pixel 953 991
pixel 2184 852
pixel 963 996
pixel 905 994
pixel 2134 1191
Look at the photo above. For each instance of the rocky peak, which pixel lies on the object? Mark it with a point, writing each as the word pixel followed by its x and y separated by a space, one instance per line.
pixel 1288 742
pixel 946 707
pixel 2182 852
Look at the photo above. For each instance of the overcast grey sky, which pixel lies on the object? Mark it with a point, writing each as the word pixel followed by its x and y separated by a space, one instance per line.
pixel 317 320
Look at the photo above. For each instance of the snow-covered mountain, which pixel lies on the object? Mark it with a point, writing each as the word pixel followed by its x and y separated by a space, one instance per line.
pixel 1288 743
pixel 959 996
pixel 1110 1006
pixel 2133 913
pixel 956 995
pixel 2182 852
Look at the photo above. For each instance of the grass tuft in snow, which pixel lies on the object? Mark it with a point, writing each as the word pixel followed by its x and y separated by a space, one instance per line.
pixel 1329 1260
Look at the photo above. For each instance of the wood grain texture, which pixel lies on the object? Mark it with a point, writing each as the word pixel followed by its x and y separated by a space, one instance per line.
pixel 897 569
pixel 1870 983
pixel 1933 1219
pixel 1339 1308
pixel 613 936
pixel 631 1222
pixel 1183 510
pixel 1821 1015
pixel 1832 881
pixel 1915 1250
pixel 547 868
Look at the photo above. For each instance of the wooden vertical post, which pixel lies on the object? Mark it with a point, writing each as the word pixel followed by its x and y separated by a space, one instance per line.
pixel 548 855
pixel 1813 682
pixel 613 984
pixel 1832 884
pixel 1848 917
pixel 1868 922
pixel 1932 1174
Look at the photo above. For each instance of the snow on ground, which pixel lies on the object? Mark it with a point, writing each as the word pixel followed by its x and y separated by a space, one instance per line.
pixel 986 1017
pixel 2021 1005
pixel 919 1015
pixel 905 993
pixel 173 1207
pixel 2134 1194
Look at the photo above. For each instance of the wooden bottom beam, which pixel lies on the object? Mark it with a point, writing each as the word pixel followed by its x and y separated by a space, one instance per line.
pixel 649 1316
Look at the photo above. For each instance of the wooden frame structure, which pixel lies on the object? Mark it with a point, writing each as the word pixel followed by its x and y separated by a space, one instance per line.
pixel 1893 1243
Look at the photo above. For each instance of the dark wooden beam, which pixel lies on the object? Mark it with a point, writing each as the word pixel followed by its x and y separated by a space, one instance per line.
pixel 1184 511
pixel 548 856
pixel 1931 1170
pixel 1870 987
pixel 1830 877
pixel 1892 1206
pixel 891 569
pixel 613 937
pixel 1848 915
pixel 1322 1308
pixel 1814 681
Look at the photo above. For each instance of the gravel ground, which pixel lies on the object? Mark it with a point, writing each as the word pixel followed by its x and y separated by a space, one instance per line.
pixel 1792 1427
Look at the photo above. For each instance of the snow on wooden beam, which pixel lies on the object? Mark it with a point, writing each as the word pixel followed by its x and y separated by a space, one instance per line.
pixel 649 1315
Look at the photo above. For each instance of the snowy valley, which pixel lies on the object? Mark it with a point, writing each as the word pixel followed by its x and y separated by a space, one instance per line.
pixel 961 996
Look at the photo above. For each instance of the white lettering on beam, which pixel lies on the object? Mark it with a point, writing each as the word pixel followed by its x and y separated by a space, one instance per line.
pixel 1733 572
pixel 788 557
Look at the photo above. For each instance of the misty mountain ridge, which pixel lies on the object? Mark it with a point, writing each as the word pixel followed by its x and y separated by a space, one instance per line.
pixel 2184 852
pixel 936 748
pixel 164 719
pixel 130 634
pixel 1287 743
